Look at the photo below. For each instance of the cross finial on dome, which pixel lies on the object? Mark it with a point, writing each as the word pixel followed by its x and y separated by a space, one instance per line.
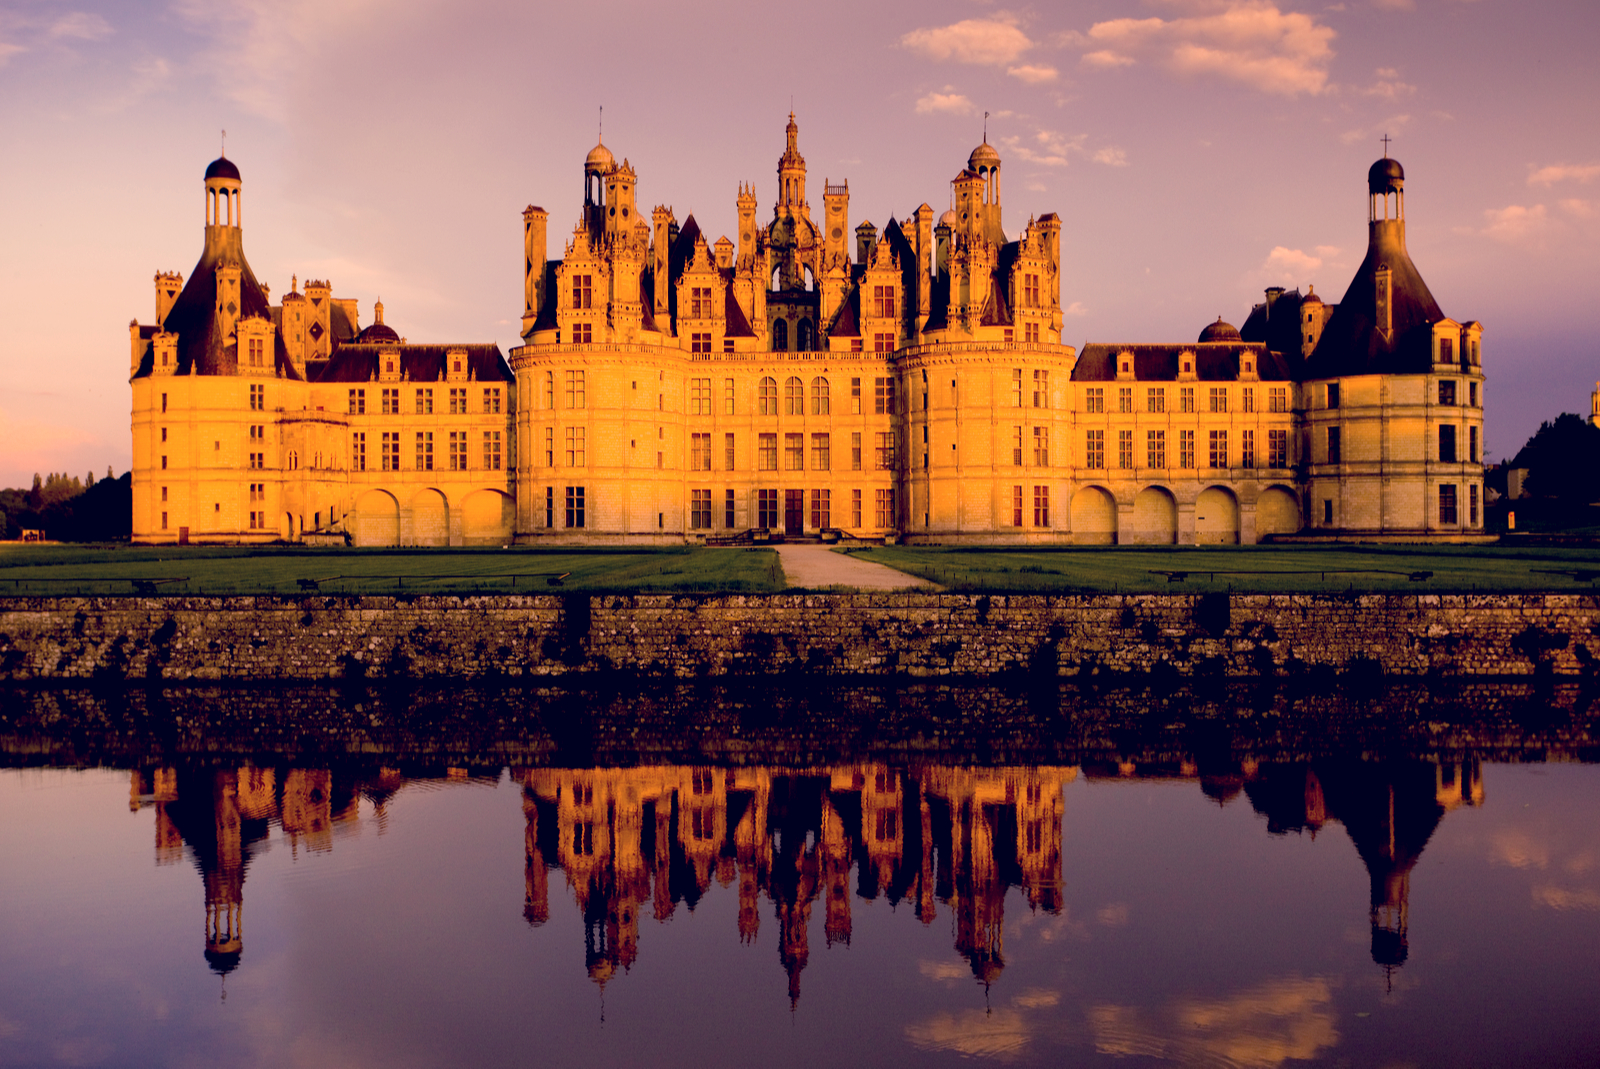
pixel 1385 140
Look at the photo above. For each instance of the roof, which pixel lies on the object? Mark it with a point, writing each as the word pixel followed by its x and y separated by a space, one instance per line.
pixel 736 324
pixel 222 167
pixel 845 322
pixel 1351 343
pixel 1220 331
pixel 1214 362
pixel 358 362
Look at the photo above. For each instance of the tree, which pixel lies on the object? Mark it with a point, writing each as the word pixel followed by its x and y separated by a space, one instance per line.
pixel 1563 460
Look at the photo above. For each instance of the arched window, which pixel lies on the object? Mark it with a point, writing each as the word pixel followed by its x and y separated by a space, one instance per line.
pixel 769 395
pixel 780 336
pixel 806 337
pixel 819 396
pixel 794 397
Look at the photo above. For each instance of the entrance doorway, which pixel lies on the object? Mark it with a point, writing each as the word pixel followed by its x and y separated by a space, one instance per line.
pixel 794 512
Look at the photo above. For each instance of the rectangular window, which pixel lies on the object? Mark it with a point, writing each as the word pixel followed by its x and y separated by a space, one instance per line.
pixel 582 297
pixel 258 399
pixel 766 508
pixel 855 345
pixel 885 507
pixel 1335 446
pixel 700 396
pixel 252 405
pixel 1247 448
pixel 1041 506
pixel 549 447
pixel 1186 449
pixel 424 450
pixel 1155 399
pixel 1472 445
pixel 883 396
pixel 1016 506
pixel 491 401
pixel 258 460
pixel 1219 449
pixel 700 510
pixel 257 351
pixel 1447 503
pixel 1124 398
pixel 425 402
pixel 575 506
pixel 821 509
pixel 492 459
pixel 163 521
pixel 1016 446
pixel 1041 389
pixel 1030 291
pixel 883 302
pixel 883 343
pixel 727 397
pixel 1472 505
pixel 728 502
pixel 1125 449
pixel 1016 387
pixel 885 450
pixel 458 401
pixel 1278 398
pixel 1094 449
pixel 700 341
pixel 700 453
pixel 855 397
pixel 1030 333
pixel 700 306
pixel 391 451
pixel 727 452
pixel 1332 395
pixel 1472 395
pixel 549 506
pixel 391 402
pixel 1156 448
pixel 1277 448
pixel 577 447
pixel 1247 399
pixel 458 450
pixel 549 389
pixel 1447 391
pixel 1447 351
pixel 821 452
pixel 1186 399
pixel 768 451
pixel 1041 447
pixel 1219 398
pixel 358 402
pixel 794 452
pixel 855 450
pixel 1447 442
pixel 577 389
pixel 1094 399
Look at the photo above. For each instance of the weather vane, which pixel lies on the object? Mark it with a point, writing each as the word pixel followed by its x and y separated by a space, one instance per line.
pixel 224 142
pixel 602 136
pixel 986 128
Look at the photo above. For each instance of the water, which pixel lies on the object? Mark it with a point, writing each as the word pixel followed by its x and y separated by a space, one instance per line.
pixel 1178 886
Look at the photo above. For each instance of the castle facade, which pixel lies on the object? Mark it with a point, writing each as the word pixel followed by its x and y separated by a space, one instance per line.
pixel 806 378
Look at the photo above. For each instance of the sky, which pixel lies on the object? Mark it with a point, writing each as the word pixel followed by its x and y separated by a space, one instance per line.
pixel 1196 151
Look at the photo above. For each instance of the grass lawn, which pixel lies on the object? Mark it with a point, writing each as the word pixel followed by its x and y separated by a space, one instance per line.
pixel 72 570
pixel 1248 569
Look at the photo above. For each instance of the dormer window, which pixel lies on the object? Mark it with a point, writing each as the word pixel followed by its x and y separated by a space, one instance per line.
pixel 1126 367
pixel 1188 367
pixel 1249 365
pixel 388 367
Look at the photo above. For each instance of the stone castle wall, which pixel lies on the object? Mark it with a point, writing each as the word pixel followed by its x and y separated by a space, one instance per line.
pixel 912 635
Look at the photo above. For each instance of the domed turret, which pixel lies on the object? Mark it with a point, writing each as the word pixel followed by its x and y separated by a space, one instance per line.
pixel 1220 331
pixel 599 160
pixel 950 219
pixel 1310 298
pixel 378 332
pixel 983 156
pixel 1386 176
pixel 222 167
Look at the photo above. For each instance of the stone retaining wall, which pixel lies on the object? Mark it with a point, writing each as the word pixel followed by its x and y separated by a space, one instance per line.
pixel 918 635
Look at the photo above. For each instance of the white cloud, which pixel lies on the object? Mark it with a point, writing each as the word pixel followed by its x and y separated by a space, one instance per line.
pixel 1110 156
pixel 988 42
pixel 1582 209
pixel 945 103
pixel 1046 147
pixel 1001 1034
pixel 1562 898
pixel 1389 85
pixel 1250 42
pixel 1074 310
pixel 1564 172
pixel 1515 223
pixel 1376 130
pixel 82 26
pixel 1033 74
pixel 1292 267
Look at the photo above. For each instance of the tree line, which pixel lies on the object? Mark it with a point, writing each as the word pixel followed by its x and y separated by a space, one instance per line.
pixel 69 509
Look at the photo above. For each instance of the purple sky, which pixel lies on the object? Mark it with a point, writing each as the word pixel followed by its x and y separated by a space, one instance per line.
pixel 1196 150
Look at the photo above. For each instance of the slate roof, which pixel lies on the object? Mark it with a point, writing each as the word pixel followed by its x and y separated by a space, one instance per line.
pixel 357 362
pixel 1214 362
pixel 1351 344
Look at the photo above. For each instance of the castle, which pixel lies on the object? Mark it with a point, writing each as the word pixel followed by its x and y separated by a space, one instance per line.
pixel 914 386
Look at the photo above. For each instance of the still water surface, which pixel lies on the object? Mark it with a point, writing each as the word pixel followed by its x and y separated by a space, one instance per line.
pixel 1409 910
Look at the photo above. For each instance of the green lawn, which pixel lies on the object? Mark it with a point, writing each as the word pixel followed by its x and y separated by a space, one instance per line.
pixel 1248 569
pixel 71 570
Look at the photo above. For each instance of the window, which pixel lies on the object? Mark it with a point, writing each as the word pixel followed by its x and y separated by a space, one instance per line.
pixel 491 401
pixel 491 450
pixel 700 396
pixel 391 451
pixel 1447 442
pixel 700 341
pixel 1247 448
pixel 458 401
pixel 883 396
pixel 780 335
pixel 1124 449
pixel 1094 449
pixel 458 450
pixel 257 432
pixel 1335 446
pixel 767 447
pixel 1472 395
pixel 855 397
pixel 575 506
pixel 549 447
pixel 727 452
pixel 253 404
pixel 258 492
pixel 1155 399
pixel 700 453
pixel 258 399
pixel 163 521
pixel 577 447
pixel 821 452
pixel 1186 399
pixel 164 434
pixel 1447 391
pixel 1156 449
pixel 1125 399
pixel 1277 448
pixel 885 507
pixel 855 508
pixel 1472 445
pixel 727 397
pixel 577 389
pixel 549 506
pixel 1278 398
pixel 1447 351
pixel 767 508
pixel 1327 511
pixel 855 345
pixel 1016 506
pixel 1332 395
pixel 700 305
pixel 767 391
pixel 1219 449
pixel 1030 333
pixel 700 510
pixel 424 450
pixel 1094 399
pixel 1016 387
pixel 1041 389
pixel 794 452
pixel 1447 503
pixel 424 402
pixel 855 450
pixel 256 520
pixel 1219 398
pixel 821 509
pixel 883 302
pixel 255 352
pixel 885 450
pixel 257 460
pixel 1186 449
pixel 358 451
pixel 582 297
pixel 883 343
pixel 358 402
pixel 820 405
pixel 1016 446
pixel 1041 506
pixel 1041 448
pixel 1030 291
pixel 728 501
pixel 549 389
pixel 794 397
pixel 1247 399
pixel 1472 505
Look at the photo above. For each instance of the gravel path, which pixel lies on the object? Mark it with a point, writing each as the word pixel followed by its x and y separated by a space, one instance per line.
pixel 819 566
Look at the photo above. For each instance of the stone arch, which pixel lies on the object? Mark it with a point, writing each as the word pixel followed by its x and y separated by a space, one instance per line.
pixel 428 519
pixel 1154 520
pixel 806 336
pixel 1277 512
pixel 375 520
pixel 1094 515
pixel 488 518
pixel 1216 517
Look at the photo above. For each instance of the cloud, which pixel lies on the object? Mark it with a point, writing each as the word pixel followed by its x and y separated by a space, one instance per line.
pixel 1395 5
pixel 945 103
pixel 1563 898
pixel 973 1033
pixel 81 26
pixel 1261 1028
pixel 1564 172
pixel 1074 310
pixel 988 42
pixel 1515 223
pixel 1034 74
pixel 1388 86
pixel 1373 132
pixel 1578 207
pixel 1111 157
pixel 943 970
pixel 1049 148
pixel 1249 42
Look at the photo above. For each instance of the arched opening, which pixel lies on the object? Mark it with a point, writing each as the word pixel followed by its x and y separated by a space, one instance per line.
pixel 820 401
pixel 1155 518
pixel 430 520
pixel 375 521
pixel 1094 516
pixel 807 337
pixel 1216 517
pixel 488 518
pixel 794 397
pixel 780 335
pixel 1277 512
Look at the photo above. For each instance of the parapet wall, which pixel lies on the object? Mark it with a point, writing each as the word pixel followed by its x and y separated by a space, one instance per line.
pixel 917 635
